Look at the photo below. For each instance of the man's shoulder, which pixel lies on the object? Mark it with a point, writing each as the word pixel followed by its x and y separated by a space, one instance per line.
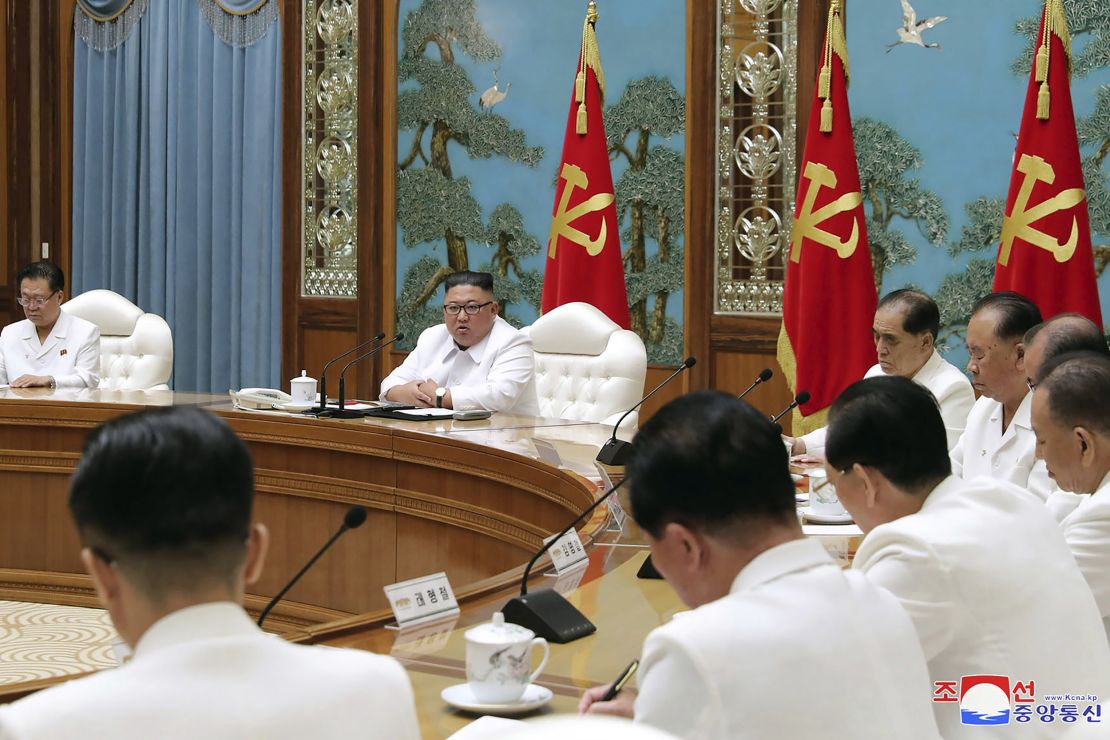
pixel 81 326
pixel 14 329
pixel 433 335
pixel 948 376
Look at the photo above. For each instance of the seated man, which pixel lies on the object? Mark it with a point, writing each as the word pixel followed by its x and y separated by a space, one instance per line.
pixel 980 566
pixel 905 331
pixel 1071 418
pixel 162 502
pixel 998 441
pixel 475 359
pixel 49 348
pixel 781 642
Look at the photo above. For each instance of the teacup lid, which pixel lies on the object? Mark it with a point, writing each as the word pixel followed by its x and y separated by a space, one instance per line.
pixel 499 631
pixel 303 378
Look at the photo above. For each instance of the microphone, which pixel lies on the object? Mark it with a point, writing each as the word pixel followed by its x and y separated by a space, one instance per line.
pixel 799 399
pixel 353 519
pixel 546 612
pixel 764 375
pixel 616 451
pixel 324 373
pixel 340 412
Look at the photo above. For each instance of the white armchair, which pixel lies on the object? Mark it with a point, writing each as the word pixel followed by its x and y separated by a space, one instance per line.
pixel 587 367
pixel 136 348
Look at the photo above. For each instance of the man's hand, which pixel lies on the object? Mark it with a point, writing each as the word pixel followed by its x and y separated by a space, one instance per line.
pixel 411 394
pixel 31 381
pixel 797 444
pixel 428 388
pixel 621 706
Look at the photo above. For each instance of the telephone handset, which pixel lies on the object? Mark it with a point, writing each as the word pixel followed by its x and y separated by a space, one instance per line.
pixel 260 398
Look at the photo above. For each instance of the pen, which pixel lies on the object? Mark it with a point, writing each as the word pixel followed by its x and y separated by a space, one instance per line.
pixel 626 674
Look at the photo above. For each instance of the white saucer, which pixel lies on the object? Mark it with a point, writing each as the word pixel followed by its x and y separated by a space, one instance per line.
pixel 812 516
pixel 461 697
pixel 296 406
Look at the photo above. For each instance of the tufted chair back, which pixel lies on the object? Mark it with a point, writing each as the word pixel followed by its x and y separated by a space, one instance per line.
pixel 587 367
pixel 136 348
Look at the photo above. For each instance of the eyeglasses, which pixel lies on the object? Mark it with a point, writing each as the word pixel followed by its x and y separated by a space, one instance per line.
pixel 471 309
pixel 34 302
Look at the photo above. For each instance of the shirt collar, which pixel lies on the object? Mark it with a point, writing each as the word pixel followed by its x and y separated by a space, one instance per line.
pixel 199 622
pixel 929 366
pixel 1022 417
pixel 58 330
pixel 781 560
pixel 476 351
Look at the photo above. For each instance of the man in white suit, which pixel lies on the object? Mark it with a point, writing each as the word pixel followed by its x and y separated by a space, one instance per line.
pixel 980 566
pixel 905 332
pixel 473 360
pixel 781 641
pixel 1071 417
pixel 998 441
pixel 50 348
pixel 162 502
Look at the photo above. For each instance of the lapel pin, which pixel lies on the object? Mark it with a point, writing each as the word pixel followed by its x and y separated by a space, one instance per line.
pixel 62 353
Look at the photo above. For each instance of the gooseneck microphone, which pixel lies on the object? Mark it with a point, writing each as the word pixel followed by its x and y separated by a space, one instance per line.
pixel 340 412
pixel 546 612
pixel 616 451
pixel 799 399
pixel 764 375
pixel 324 373
pixel 353 519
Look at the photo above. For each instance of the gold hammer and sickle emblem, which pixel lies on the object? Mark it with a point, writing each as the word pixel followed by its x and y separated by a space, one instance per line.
pixel 1016 225
pixel 561 223
pixel 808 220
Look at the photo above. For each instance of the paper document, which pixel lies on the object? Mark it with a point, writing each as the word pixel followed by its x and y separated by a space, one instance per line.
pixel 426 412
pixel 487 726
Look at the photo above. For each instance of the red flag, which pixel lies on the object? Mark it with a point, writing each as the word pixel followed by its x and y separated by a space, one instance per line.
pixel 1045 251
pixel 583 248
pixel 829 298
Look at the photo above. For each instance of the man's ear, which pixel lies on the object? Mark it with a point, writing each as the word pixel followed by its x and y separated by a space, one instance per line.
pixel 927 341
pixel 258 544
pixel 105 578
pixel 872 483
pixel 684 546
pixel 1019 350
pixel 495 309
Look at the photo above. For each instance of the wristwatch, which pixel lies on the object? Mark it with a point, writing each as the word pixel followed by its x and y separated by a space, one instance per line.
pixel 440 393
pixel 53 383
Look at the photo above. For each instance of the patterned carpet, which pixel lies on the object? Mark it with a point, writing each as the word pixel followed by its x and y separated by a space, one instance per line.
pixel 42 641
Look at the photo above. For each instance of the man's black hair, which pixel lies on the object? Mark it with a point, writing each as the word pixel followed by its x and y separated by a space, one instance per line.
pixel 482 280
pixel 919 310
pixel 891 424
pixel 1078 389
pixel 1067 332
pixel 709 462
pixel 166 493
pixel 1016 313
pixel 42 270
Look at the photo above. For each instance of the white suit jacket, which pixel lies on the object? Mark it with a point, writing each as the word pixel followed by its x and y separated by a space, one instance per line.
pixel 1086 527
pixel 798 649
pixel 496 374
pixel 985 575
pixel 71 353
pixel 208 672
pixel 984 449
pixel 944 380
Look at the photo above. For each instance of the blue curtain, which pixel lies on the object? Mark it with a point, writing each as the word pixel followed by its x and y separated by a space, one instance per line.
pixel 176 189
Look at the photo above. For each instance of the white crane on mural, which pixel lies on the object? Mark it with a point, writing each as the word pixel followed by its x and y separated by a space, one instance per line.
pixel 493 95
pixel 910 32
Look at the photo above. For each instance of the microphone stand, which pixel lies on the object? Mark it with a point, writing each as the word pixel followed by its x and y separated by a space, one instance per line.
pixel 324 373
pixel 546 612
pixel 616 451
pixel 341 412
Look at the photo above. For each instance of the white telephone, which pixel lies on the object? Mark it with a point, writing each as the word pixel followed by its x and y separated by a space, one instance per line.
pixel 260 399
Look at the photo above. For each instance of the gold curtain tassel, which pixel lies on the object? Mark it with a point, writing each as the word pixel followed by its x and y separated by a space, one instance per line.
pixel 1042 63
pixel 826 117
pixel 580 87
pixel 580 122
pixel 823 81
pixel 1043 102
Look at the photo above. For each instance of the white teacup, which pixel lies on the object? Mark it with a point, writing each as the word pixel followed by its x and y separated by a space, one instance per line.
pixel 303 389
pixel 499 660
pixel 822 495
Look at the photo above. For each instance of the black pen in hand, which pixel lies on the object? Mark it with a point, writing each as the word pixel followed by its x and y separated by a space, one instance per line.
pixel 624 678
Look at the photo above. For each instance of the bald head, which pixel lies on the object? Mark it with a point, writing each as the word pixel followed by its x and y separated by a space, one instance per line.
pixel 1071 419
pixel 1067 332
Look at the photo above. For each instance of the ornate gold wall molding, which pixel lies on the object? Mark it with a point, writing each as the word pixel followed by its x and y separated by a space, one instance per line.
pixel 757 82
pixel 329 177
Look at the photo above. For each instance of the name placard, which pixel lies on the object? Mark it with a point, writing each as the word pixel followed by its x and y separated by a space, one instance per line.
pixel 422 600
pixel 567 553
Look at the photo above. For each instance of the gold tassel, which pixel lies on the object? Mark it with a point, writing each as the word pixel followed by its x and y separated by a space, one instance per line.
pixel 1042 102
pixel 1042 64
pixel 580 122
pixel 826 117
pixel 823 80
pixel 580 87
